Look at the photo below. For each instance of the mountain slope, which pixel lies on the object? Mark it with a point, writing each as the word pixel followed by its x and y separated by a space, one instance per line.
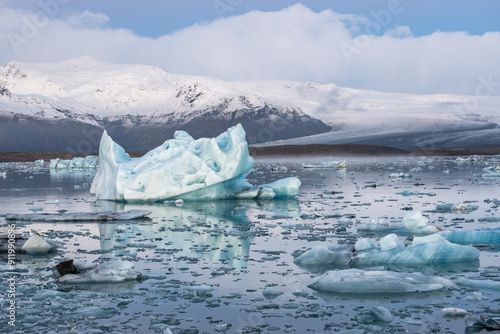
pixel 65 107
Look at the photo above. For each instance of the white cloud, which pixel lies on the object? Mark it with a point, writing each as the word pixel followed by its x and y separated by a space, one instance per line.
pixel 293 44
pixel 87 20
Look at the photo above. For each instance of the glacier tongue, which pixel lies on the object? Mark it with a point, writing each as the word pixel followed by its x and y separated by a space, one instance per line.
pixel 184 168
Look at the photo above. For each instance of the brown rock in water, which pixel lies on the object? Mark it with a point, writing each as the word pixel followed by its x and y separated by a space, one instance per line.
pixel 66 267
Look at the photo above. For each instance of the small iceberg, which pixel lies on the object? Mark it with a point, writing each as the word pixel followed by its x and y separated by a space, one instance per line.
pixel 184 168
pixel 429 250
pixel 356 281
pixel 110 272
pixel 34 245
pixel 333 255
pixel 75 163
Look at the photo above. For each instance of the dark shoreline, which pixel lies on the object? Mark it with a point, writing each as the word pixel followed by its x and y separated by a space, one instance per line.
pixel 289 150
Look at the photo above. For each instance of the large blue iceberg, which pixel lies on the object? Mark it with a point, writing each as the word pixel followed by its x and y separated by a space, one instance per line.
pixel 184 168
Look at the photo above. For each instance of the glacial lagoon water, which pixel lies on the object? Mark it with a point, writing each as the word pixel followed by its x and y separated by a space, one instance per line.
pixel 227 266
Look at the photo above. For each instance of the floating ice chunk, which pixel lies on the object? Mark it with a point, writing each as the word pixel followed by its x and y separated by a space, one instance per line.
pixel 37 245
pixel 35 208
pixel 207 168
pixel 377 314
pixel 361 281
pixel 110 272
pixel 474 237
pixel 337 255
pixel 414 220
pixel 81 216
pixel 363 244
pixel 389 242
pixel 454 312
pixel 270 292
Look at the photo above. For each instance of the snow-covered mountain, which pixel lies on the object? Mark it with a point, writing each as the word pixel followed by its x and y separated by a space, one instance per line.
pixel 65 106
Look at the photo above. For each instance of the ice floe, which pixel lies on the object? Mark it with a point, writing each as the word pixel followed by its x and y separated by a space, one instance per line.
pixel 80 216
pixel 356 281
pixel 182 167
pixel 110 272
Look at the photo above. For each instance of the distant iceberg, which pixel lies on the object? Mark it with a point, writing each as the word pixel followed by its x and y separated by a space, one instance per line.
pixel 75 163
pixel 184 168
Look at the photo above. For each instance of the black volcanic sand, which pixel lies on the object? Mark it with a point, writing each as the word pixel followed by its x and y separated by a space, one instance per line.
pixel 290 150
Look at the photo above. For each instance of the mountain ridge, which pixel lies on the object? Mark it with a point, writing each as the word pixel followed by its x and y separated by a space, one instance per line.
pixel 65 106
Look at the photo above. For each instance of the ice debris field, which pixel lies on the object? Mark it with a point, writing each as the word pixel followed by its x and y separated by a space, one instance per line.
pixel 376 245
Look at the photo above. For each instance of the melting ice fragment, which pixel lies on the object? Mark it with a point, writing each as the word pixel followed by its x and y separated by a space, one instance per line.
pixel 361 281
pixel 37 245
pixel 184 168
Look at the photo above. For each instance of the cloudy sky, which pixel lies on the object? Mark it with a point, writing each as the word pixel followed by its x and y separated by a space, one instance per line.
pixel 423 46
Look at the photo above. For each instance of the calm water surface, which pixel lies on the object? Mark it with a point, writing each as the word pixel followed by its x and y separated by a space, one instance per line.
pixel 238 248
